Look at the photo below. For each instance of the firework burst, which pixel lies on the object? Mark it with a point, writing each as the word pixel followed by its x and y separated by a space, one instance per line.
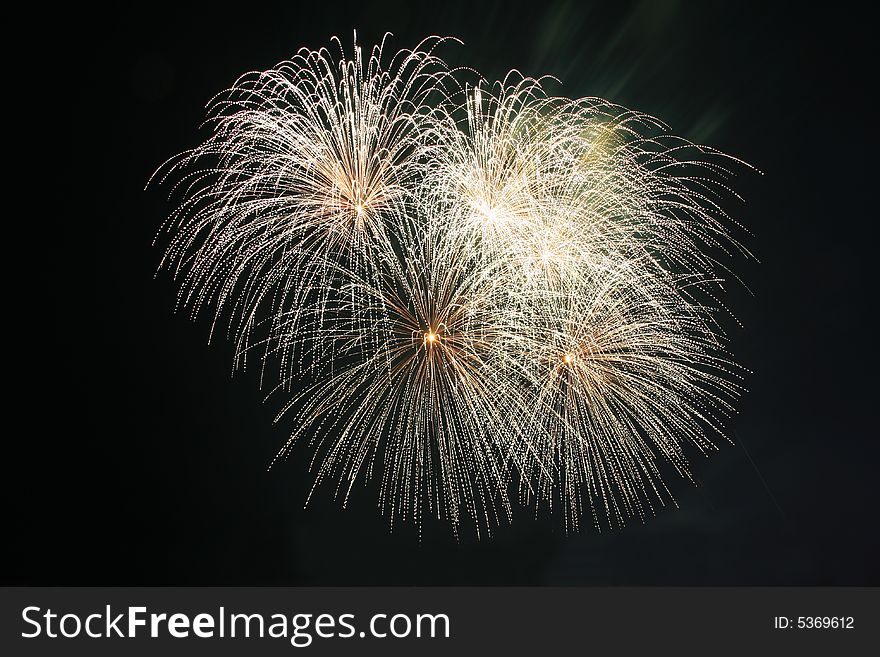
pixel 307 173
pixel 625 375
pixel 467 289
pixel 433 401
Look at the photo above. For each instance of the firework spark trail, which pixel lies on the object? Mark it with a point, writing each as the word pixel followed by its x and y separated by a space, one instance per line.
pixel 474 288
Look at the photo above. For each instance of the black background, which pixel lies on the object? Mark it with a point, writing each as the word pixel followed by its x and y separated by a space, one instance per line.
pixel 133 456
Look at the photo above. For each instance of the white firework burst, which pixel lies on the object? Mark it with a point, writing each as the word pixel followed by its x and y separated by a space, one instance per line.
pixel 607 240
pixel 429 400
pixel 307 173
pixel 468 290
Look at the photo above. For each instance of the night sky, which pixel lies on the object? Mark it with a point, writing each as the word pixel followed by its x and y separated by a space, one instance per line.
pixel 137 457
